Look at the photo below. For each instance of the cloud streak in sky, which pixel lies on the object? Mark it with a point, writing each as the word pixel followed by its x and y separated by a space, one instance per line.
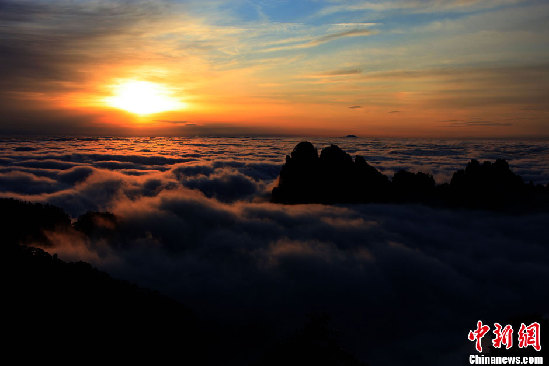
pixel 420 6
pixel 322 39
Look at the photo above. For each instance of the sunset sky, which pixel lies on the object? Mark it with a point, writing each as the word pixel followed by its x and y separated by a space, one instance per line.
pixel 473 68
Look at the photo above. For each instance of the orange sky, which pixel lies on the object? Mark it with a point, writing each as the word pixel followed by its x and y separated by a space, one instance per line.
pixel 387 68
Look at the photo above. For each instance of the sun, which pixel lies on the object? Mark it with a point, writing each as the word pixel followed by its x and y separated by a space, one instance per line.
pixel 143 97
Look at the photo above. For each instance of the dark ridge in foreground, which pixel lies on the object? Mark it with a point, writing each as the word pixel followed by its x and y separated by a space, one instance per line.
pixel 50 303
pixel 72 310
pixel 334 177
pixel 68 312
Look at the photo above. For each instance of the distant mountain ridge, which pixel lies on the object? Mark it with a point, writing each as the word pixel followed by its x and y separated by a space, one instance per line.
pixel 334 177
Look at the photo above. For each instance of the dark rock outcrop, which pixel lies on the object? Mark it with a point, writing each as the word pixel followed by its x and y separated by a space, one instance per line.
pixel 97 224
pixel 335 177
pixel 25 222
pixel 331 178
pixel 412 187
pixel 299 176
pixel 488 185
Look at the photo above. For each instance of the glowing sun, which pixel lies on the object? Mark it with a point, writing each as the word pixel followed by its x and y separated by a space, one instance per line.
pixel 143 97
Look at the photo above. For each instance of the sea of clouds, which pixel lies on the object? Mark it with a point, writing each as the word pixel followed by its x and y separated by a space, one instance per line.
pixel 400 283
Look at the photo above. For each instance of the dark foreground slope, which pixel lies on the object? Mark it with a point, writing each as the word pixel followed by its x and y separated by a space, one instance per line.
pixel 80 310
pixel 71 312
pixel 334 177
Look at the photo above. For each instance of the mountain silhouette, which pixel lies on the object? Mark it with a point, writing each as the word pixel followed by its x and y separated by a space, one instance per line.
pixel 331 178
pixel 334 177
